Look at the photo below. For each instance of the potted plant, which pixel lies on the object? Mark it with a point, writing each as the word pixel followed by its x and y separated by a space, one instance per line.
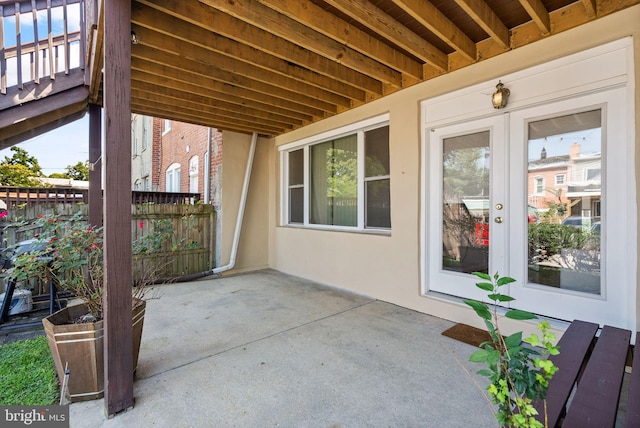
pixel 73 258
pixel 518 374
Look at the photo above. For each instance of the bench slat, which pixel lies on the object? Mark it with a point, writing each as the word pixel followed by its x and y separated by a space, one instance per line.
pixel 596 400
pixel 574 346
pixel 633 407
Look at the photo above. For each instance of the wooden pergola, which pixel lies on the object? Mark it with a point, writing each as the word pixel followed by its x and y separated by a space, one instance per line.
pixel 265 67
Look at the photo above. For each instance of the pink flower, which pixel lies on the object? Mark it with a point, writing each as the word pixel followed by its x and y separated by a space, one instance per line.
pixel 141 224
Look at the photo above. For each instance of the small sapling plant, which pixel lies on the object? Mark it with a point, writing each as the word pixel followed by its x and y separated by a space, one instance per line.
pixel 519 374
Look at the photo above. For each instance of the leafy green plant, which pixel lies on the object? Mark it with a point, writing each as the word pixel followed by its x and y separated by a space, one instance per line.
pixel 72 254
pixel 519 374
pixel 27 374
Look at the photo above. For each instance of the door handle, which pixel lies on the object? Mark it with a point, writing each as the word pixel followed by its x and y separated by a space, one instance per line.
pixel 498 219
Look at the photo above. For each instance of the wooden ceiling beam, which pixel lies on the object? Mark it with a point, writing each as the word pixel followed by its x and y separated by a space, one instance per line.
pixel 591 8
pixel 322 21
pixel 192 101
pixel 220 23
pixel 212 72
pixel 151 99
pixel 193 107
pixel 435 21
pixel 261 16
pixel 193 53
pixel 162 112
pixel 224 99
pixel 186 32
pixel 482 14
pixel 168 75
pixel 538 14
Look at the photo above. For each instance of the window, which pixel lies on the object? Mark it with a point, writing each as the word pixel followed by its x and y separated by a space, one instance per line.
pixel 592 174
pixel 167 126
pixel 144 134
pixel 340 181
pixel 146 184
pixel 193 175
pixel 134 135
pixel 173 178
pixel 377 180
pixel 560 179
pixel 296 186
pixel 539 185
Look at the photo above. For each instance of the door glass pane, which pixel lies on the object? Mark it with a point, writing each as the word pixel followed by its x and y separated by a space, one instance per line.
pixel 465 205
pixel 564 217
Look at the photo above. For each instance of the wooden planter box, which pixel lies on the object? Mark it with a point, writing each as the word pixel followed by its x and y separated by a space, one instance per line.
pixel 82 347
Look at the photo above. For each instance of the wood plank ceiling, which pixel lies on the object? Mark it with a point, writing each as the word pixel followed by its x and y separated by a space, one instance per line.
pixel 270 66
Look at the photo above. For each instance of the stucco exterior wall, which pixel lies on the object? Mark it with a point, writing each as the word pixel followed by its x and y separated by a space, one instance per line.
pixel 254 238
pixel 389 267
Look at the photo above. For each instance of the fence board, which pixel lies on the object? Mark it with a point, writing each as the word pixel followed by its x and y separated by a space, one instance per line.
pixel 188 250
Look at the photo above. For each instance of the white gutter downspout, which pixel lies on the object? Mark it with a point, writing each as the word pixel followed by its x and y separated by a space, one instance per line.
pixel 207 169
pixel 243 202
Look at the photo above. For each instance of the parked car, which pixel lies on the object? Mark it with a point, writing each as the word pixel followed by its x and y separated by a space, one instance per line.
pixel 8 255
pixel 579 221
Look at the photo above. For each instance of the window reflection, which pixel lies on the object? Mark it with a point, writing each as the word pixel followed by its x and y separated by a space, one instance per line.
pixel 466 203
pixel 565 155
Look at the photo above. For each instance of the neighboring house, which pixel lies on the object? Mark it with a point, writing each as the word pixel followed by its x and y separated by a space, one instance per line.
pixel 547 181
pixel 144 162
pixel 573 180
pixel 63 182
pixel 584 189
pixel 190 158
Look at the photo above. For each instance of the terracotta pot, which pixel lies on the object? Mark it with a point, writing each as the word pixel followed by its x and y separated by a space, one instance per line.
pixel 82 347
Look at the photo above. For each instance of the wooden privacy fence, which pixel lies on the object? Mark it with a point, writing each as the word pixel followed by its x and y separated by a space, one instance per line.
pixel 188 249
pixel 169 240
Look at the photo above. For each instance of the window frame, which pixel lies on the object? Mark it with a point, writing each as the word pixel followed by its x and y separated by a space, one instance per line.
pixel 194 166
pixel 538 184
pixel 170 178
pixel 561 182
pixel 166 127
pixel 359 129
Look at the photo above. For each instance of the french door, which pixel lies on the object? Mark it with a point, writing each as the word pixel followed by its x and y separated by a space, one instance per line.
pixel 538 194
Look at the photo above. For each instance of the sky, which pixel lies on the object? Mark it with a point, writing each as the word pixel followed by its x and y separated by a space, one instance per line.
pixel 69 144
pixel 57 149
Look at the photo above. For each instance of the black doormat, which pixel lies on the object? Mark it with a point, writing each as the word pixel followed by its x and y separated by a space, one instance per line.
pixel 467 334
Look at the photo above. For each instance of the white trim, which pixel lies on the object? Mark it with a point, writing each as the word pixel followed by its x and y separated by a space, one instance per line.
pixel 338 132
pixel 596 69
pixel 358 129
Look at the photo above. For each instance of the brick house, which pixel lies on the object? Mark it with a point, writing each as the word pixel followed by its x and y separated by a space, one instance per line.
pixel 189 158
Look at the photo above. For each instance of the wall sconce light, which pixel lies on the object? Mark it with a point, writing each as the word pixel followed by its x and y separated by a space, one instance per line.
pixel 500 97
pixel 134 38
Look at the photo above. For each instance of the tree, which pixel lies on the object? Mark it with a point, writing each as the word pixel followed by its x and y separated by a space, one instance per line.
pixel 79 171
pixel 17 175
pixel 22 157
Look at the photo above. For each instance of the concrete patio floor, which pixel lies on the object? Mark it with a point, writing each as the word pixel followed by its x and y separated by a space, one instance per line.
pixel 265 349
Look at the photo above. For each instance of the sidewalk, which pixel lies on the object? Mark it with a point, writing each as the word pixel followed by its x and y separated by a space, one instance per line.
pixel 266 349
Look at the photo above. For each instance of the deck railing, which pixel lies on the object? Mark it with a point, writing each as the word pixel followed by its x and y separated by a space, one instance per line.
pixel 40 38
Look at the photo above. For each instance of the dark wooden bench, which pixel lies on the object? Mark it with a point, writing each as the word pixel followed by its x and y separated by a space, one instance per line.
pixel 586 390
